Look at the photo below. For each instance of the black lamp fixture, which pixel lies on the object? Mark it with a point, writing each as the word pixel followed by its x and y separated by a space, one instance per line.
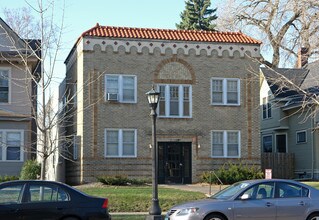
pixel 155 210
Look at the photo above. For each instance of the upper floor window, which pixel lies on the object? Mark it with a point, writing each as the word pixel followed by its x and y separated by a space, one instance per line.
pixel 225 91
pixel 266 108
pixel 175 101
pixel 120 143
pixel 11 147
pixel 121 88
pixel 4 85
pixel 226 144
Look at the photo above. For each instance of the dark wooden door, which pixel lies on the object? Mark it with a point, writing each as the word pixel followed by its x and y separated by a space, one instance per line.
pixel 174 162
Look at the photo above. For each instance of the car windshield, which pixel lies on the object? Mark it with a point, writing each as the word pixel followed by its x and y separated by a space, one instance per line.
pixel 230 191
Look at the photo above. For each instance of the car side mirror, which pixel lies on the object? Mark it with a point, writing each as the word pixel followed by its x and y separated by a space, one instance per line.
pixel 245 196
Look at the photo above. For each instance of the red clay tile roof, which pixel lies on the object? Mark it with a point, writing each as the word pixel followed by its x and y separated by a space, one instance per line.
pixel 168 34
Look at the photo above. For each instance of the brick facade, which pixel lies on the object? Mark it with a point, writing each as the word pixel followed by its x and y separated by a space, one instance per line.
pixel 94 58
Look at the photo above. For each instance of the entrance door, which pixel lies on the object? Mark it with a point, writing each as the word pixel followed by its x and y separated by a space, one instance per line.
pixel 174 162
pixel 281 142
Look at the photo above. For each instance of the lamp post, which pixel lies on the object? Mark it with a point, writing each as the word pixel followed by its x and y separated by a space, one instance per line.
pixel 155 210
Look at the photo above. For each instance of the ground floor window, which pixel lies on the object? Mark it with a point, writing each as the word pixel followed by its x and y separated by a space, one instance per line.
pixel 301 137
pixel 267 143
pixel 226 144
pixel 11 147
pixel 120 143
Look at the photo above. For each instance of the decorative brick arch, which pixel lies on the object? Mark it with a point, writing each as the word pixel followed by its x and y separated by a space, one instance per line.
pixel 174 71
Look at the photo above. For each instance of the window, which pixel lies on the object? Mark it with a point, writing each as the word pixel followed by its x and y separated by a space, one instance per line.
pixel 226 144
pixel 301 137
pixel 260 191
pixel 44 193
pixel 120 143
pixel 75 148
pixel 287 190
pixel 175 101
pixel 267 144
pixel 266 108
pixel 225 91
pixel 120 88
pixel 10 194
pixel 11 148
pixel 4 85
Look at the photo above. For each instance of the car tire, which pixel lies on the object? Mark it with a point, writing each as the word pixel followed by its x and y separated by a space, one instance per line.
pixel 215 217
pixel 314 216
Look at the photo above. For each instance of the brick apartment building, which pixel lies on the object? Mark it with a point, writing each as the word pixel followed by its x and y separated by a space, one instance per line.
pixel 208 113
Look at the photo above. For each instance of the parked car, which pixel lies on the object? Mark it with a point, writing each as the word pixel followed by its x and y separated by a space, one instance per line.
pixel 254 199
pixel 49 200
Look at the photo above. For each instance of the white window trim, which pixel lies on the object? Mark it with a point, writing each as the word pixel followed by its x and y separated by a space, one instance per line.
pixel 9 85
pixel 120 87
pixel 225 144
pixel 267 109
pixel 120 141
pixel 4 148
pixel 301 131
pixel 180 101
pixel 224 98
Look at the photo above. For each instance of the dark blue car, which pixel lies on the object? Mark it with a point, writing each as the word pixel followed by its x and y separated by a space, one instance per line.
pixel 49 200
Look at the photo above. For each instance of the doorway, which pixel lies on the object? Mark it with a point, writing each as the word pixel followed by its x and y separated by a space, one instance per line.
pixel 174 162
pixel 281 143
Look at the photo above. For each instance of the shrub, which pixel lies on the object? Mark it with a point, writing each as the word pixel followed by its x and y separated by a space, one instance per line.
pixel 231 173
pixel 31 170
pixel 8 178
pixel 121 180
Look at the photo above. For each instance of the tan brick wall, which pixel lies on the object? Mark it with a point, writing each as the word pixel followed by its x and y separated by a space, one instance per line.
pixel 199 69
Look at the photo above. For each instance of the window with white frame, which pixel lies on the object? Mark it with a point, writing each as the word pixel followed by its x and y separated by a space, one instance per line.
pixel 225 91
pixel 267 143
pixel 120 88
pixel 226 144
pixel 301 137
pixel 266 108
pixel 4 85
pixel 175 101
pixel 11 148
pixel 120 142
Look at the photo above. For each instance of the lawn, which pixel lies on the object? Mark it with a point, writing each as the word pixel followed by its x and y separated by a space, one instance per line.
pixel 138 198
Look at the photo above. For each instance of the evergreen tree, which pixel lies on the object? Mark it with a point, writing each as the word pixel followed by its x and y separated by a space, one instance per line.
pixel 197 16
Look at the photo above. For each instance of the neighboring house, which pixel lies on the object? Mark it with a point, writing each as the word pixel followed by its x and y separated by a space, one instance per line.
pixel 289 121
pixel 208 113
pixel 54 162
pixel 17 100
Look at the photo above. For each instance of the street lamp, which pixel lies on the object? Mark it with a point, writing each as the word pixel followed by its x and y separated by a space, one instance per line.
pixel 155 210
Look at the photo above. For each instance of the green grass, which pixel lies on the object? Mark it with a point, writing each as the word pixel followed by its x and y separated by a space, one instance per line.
pixel 139 198
pixel 128 217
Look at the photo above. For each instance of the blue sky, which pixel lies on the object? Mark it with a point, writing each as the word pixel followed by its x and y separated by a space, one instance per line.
pixel 82 15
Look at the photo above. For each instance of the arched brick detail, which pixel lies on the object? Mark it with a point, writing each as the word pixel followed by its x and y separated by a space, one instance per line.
pixel 183 75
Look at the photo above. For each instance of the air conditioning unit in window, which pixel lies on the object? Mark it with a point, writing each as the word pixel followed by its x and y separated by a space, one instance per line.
pixel 112 96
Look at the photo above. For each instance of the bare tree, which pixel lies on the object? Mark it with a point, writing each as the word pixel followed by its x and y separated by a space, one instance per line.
pixel 45 49
pixel 284 26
